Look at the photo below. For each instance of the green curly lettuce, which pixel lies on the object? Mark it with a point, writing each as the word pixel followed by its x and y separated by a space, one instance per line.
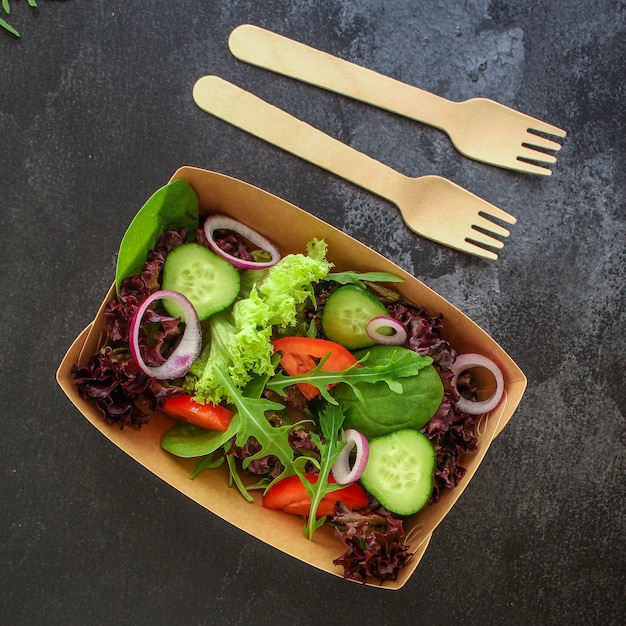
pixel 238 339
pixel 288 284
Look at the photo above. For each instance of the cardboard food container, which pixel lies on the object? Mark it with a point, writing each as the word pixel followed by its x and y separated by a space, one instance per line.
pixel 290 228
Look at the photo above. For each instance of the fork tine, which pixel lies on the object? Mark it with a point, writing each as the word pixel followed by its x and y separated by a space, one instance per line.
pixel 490 227
pixel 472 248
pixel 493 211
pixel 482 211
pixel 532 168
pixel 544 143
pixel 484 239
pixel 548 129
pixel 528 152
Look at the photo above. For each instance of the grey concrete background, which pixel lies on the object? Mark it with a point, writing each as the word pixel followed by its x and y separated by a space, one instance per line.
pixel 96 113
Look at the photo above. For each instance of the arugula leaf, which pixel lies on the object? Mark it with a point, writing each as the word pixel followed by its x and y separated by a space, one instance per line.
pixel 359 278
pixel 236 479
pixel 253 423
pixel 329 446
pixel 404 363
pixel 187 441
pixel 173 206
pixel 210 461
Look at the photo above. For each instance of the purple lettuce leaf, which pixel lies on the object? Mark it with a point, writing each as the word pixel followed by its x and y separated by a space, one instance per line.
pixel 374 542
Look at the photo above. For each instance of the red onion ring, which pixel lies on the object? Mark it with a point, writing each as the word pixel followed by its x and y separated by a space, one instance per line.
pixel 464 362
pixel 188 348
pixel 397 336
pixel 342 472
pixel 218 222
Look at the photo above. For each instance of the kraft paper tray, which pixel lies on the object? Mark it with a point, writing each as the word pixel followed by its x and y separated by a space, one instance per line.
pixel 291 228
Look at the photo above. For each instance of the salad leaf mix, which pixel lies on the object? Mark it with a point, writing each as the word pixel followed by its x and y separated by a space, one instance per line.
pixel 283 423
pixel 240 338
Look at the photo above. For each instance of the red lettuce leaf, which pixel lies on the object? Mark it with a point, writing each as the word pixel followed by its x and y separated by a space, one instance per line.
pixel 112 377
pixel 374 542
pixel 115 381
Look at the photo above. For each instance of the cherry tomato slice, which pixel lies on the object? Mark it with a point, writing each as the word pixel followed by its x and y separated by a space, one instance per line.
pixel 301 354
pixel 209 416
pixel 290 496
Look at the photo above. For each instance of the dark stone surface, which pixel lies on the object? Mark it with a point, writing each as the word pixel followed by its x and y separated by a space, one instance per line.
pixel 96 113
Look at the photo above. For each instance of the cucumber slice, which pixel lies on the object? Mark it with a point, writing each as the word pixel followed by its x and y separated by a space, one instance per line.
pixel 209 281
pixel 400 471
pixel 347 312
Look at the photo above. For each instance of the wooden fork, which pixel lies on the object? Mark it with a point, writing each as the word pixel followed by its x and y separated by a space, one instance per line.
pixel 432 206
pixel 480 129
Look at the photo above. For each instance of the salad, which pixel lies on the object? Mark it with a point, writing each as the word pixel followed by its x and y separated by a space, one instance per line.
pixel 327 391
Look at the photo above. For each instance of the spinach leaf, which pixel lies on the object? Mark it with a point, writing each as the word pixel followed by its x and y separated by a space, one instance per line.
pixel 174 205
pixel 376 410
pixel 188 441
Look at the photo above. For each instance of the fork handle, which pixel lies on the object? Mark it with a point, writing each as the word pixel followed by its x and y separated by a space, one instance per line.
pixel 274 52
pixel 248 112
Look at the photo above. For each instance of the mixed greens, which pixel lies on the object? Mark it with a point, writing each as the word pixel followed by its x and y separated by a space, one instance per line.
pixel 276 389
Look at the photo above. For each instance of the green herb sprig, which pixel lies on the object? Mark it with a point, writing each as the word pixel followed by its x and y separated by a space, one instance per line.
pixel 404 364
pixel 7 9
pixel 329 446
